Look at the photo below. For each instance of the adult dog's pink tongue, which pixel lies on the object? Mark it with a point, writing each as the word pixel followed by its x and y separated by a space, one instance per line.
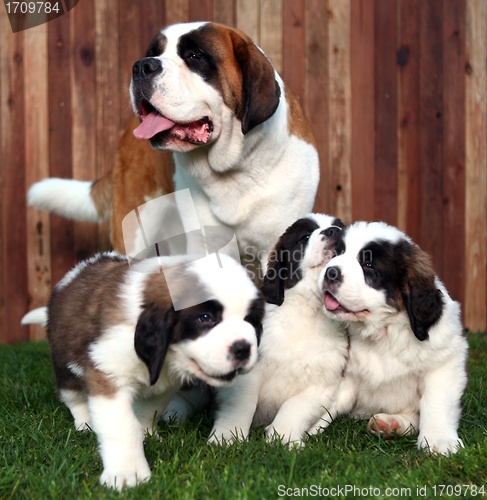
pixel 152 124
pixel 331 303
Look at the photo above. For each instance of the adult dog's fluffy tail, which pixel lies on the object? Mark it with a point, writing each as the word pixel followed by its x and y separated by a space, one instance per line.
pixel 78 200
pixel 35 317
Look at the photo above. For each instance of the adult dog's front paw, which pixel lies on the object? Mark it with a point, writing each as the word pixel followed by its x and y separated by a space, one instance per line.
pixel 119 478
pixel 444 445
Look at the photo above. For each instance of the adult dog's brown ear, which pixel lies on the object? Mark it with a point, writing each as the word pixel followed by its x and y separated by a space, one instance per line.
pixel 153 334
pixel 422 299
pixel 260 90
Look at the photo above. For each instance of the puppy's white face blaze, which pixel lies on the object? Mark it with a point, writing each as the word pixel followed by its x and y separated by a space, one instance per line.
pixel 353 283
pixel 299 255
pixel 217 357
pixel 353 300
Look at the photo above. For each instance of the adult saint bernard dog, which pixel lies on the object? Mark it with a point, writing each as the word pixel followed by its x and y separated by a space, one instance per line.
pixel 238 137
pixel 303 353
pixel 121 349
pixel 407 361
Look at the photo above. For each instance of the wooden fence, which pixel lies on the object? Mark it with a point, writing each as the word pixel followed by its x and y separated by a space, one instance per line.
pixel 396 91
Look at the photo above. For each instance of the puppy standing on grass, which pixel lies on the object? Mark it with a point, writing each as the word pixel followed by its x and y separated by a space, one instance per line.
pixel 120 350
pixel 303 353
pixel 408 352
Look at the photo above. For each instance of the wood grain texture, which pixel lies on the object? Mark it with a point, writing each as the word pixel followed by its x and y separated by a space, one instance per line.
pixel 454 146
pixel 408 130
pixel 475 305
pixel 36 121
pixel 363 110
pixel 385 98
pixel 316 93
pixel 395 91
pixel 13 225
pixel 340 111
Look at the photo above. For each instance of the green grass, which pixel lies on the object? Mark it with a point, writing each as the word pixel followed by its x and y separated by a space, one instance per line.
pixel 42 456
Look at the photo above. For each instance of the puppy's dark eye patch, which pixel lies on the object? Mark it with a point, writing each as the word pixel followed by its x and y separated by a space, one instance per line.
pixel 206 319
pixel 304 238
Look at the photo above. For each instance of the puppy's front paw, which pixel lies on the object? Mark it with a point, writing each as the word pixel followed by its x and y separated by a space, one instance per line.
pixel 292 442
pixel 118 478
pixel 444 445
pixel 222 438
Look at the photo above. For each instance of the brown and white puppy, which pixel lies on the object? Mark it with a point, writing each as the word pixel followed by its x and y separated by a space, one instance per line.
pixel 303 353
pixel 407 364
pixel 120 350
pixel 238 137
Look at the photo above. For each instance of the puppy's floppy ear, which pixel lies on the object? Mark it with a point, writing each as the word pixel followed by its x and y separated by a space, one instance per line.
pixel 153 335
pixel 275 276
pixel 422 299
pixel 256 316
pixel 260 90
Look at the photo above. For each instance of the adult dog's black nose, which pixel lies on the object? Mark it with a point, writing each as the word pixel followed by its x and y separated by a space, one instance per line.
pixel 333 275
pixel 240 350
pixel 146 68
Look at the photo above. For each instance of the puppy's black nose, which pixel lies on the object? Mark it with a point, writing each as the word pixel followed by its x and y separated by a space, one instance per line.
pixel 331 231
pixel 147 67
pixel 333 274
pixel 240 350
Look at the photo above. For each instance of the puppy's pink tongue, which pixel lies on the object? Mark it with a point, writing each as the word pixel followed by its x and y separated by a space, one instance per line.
pixel 331 303
pixel 152 124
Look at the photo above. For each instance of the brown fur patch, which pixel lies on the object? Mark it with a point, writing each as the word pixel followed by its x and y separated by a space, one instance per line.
pixel 79 312
pixel 298 124
pixel 139 173
pixel 98 383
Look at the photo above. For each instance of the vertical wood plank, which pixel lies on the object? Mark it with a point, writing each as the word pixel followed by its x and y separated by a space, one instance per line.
pixel 83 84
pixel 60 139
pixel 177 11
pixel 408 203
pixel 293 64
pixel 316 93
pixel 108 87
pixel 153 16
pixel 363 117
pixel 431 130
pixel 36 121
pixel 385 112
pixel 454 146
pixel 13 190
pixel 340 112
pixel 271 31
pixel 248 18
pixel 200 10
pixel 5 42
pixel 224 12
pixel 131 49
pixel 475 305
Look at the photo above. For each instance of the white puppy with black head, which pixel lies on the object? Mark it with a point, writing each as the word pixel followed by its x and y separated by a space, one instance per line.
pixel 302 355
pixel 121 349
pixel 408 352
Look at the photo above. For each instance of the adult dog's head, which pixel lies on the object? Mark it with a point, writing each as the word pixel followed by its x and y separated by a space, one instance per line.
pixel 379 275
pixel 299 255
pixel 200 81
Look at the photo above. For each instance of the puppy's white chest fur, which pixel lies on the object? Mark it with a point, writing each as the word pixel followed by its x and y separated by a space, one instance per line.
pixel 311 352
